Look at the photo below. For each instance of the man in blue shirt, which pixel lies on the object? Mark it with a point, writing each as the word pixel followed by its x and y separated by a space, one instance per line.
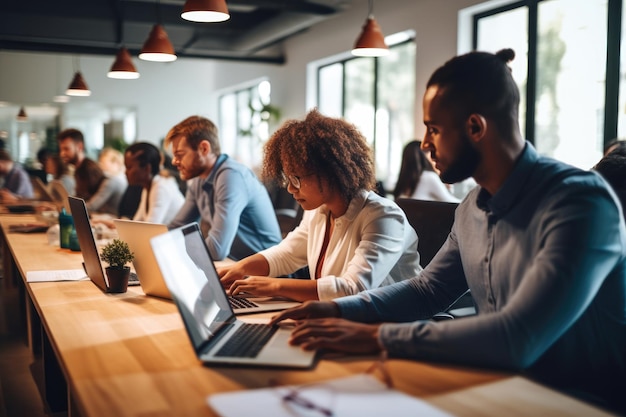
pixel 540 244
pixel 226 196
pixel 17 183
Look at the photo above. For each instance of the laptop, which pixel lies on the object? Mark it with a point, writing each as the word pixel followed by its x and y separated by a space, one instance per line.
pixel 216 334
pixel 138 234
pixel 59 194
pixel 89 249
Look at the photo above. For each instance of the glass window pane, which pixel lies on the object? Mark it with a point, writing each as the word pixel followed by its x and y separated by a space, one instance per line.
pixel 395 112
pixel 330 90
pixel 360 95
pixel 571 65
pixel 509 29
pixel 228 123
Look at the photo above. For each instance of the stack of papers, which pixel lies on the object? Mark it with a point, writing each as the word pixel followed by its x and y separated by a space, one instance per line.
pixel 360 395
pixel 61 275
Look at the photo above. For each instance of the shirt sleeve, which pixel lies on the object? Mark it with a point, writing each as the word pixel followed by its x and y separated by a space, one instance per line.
pixel 189 211
pixel 101 196
pixel 230 199
pixel 159 203
pixel 580 248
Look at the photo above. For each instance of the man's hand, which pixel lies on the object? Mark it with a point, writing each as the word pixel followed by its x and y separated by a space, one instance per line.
pixel 307 310
pixel 336 334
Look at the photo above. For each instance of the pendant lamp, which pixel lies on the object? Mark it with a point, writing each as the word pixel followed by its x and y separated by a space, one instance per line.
pixel 205 11
pixel 158 47
pixel 371 41
pixel 22 116
pixel 123 67
pixel 78 86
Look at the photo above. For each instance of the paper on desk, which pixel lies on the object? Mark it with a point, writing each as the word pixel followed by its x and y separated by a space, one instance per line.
pixel 60 275
pixel 359 395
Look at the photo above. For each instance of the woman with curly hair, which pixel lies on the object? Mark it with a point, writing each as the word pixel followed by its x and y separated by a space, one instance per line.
pixel 350 238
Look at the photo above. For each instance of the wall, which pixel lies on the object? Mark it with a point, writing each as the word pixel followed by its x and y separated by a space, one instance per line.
pixel 168 92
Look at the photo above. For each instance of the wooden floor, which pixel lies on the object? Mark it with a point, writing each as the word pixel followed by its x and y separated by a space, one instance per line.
pixel 19 370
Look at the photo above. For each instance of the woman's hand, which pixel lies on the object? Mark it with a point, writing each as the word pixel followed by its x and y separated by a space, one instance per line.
pixel 231 273
pixel 256 286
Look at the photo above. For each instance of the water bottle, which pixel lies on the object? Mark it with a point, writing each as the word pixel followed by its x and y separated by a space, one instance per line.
pixel 66 224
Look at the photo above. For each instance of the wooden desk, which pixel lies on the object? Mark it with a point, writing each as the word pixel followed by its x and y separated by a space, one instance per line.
pixel 128 355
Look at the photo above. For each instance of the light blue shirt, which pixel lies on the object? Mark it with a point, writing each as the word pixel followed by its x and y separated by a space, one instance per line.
pixel 545 259
pixel 236 207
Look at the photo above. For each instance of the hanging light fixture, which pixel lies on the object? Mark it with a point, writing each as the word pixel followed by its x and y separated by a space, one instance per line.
pixel 22 116
pixel 371 41
pixel 205 11
pixel 158 46
pixel 123 67
pixel 78 86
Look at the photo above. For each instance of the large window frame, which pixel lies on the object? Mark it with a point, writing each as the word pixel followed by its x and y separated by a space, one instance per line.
pixel 469 21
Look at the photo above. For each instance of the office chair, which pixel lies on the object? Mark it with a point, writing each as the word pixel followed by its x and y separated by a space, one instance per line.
pixel 432 221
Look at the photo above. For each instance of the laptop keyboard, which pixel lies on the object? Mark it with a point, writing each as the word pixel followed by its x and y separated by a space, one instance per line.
pixel 241 302
pixel 133 280
pixel 247 341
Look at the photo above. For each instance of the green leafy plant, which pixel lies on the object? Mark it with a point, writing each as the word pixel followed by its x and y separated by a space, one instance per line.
pixel 117 254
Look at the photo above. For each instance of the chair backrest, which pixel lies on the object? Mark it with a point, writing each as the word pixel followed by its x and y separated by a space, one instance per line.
pixel 432 221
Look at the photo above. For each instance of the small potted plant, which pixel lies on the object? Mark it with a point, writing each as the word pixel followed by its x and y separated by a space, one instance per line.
pixel 117 254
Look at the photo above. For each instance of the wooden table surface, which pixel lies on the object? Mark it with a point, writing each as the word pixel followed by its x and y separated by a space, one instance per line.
pixel 128 355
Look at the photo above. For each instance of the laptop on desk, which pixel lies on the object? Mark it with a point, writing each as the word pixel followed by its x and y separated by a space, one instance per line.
pixel 89 249
pixel 216 334
pixel 138 234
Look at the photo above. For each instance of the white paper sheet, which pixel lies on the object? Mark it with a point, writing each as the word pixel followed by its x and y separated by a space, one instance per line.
pixel 60 275
pixel 360 395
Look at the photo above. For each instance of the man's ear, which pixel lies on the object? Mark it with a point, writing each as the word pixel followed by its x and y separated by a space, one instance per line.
pixel 476 126
pixel 204 147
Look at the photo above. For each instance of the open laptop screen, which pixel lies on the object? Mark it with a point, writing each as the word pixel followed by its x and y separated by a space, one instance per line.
pixel 195 287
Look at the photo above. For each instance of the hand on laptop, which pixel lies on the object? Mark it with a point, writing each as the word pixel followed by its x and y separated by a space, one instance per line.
pixel 336 334
pixel 255 285
pixel 308 310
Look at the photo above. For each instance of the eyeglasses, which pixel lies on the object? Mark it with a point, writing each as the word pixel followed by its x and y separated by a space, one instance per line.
pixel 294 180
pixel 292 396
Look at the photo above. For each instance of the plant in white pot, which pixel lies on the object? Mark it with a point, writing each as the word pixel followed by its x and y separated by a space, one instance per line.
pixel 117 254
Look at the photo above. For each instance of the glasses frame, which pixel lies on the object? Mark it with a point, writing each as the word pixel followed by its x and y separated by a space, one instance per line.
pixel 294 180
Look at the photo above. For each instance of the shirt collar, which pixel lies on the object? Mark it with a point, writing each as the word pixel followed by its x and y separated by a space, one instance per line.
pixel 506 196
pixel 219 161
pixel 354 207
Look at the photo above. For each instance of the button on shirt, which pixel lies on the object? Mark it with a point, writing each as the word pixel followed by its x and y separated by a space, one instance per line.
pixel 545 259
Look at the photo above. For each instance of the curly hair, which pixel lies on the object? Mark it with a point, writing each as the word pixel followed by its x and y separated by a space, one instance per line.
pixel 329 147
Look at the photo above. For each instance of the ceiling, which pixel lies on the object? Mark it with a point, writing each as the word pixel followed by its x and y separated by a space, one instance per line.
pixel 254 31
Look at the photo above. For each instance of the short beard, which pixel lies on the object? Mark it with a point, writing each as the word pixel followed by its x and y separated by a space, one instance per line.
pixel 464 167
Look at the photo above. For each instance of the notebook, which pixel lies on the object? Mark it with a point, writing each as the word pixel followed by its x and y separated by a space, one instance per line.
pixel 210 322
pixel 89 249
pixel 138 234
pixel 59 194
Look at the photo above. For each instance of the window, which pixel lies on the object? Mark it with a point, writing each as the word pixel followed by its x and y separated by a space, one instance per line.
pixel 244 116
pixel 378 96
pixel 563 68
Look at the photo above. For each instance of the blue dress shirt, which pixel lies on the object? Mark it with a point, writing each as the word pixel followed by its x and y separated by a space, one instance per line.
pixel 545 260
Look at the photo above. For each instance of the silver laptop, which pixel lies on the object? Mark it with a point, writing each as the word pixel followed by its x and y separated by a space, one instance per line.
pixel 137 235
pixel 89 249
pixel 215 332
